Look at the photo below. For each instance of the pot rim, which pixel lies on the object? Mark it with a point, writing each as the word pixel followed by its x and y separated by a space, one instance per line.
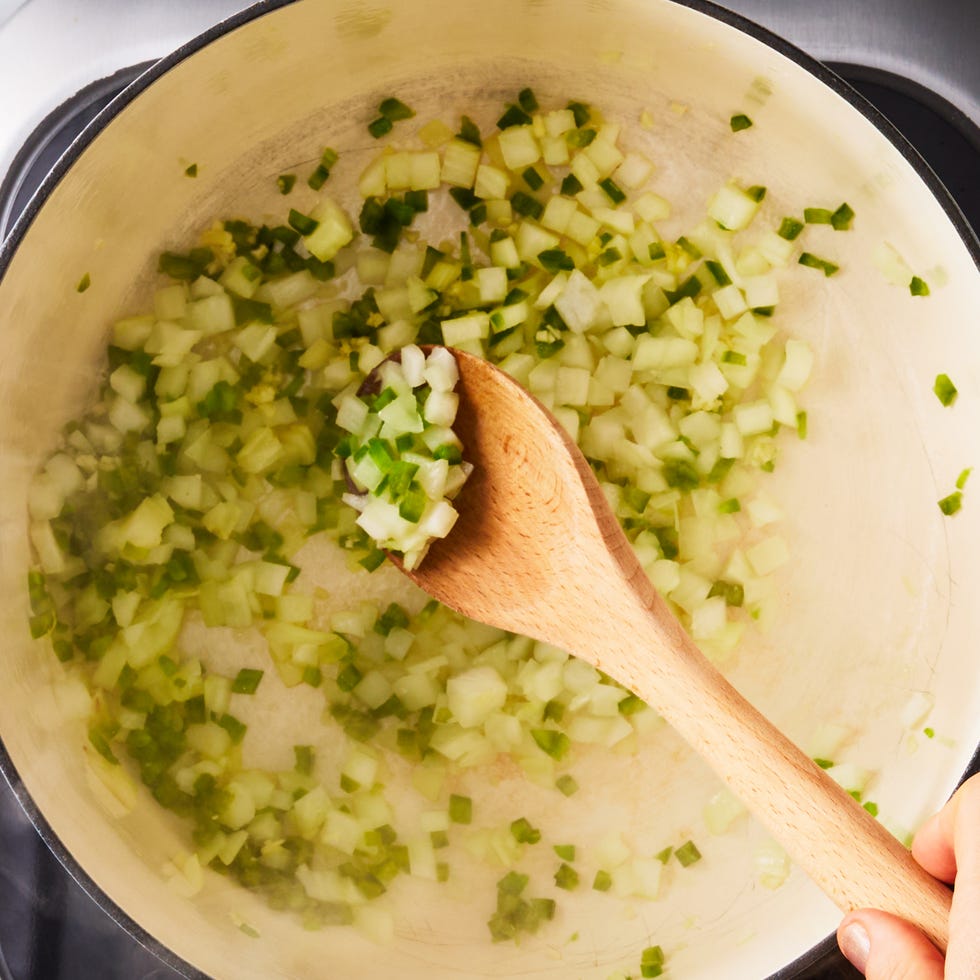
pixel 813 959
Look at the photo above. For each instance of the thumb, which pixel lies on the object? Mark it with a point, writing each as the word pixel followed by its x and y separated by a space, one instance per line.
pixel 884 947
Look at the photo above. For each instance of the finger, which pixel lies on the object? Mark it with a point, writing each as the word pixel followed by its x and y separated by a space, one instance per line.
pixel 935 844
pixel 963 958
pixel 884 947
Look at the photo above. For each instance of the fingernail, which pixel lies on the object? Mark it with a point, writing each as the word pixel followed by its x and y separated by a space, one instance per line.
pixel 855 944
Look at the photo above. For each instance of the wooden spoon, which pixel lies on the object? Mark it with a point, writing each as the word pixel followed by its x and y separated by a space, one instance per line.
pixel 538 551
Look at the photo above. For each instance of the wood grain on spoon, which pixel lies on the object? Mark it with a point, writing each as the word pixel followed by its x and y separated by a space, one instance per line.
pixel 538 551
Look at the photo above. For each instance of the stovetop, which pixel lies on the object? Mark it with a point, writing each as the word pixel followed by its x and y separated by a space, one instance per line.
pixel 61 61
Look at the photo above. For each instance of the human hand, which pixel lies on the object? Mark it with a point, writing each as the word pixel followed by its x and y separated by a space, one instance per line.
pixel 884 947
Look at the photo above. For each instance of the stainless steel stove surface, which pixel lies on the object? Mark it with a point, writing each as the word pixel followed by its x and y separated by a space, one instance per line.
pixel 61 61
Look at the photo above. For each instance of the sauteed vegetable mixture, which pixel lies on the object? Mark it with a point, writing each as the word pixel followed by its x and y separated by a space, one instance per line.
pixel 181 504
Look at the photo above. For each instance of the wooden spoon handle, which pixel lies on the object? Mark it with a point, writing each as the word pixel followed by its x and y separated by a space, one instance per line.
pixel 840 845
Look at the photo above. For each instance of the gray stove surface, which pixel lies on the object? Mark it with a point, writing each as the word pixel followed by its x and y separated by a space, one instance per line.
pixel 917 62
pixel 932 44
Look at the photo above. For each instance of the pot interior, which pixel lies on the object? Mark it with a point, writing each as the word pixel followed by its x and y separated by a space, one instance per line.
pixel 876 607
